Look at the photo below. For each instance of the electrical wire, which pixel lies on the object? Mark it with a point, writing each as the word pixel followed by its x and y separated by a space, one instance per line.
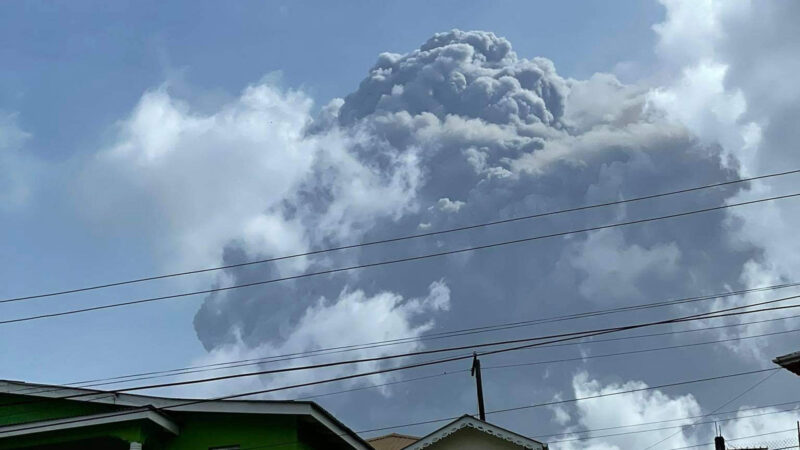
pixel 39 389
pixel 552 361
pixel 103 382
pixel 431 336
pixel 727 312
pixel 518 408
pixel 737 397
pixel 456 358
pixel 679 427
pixel 736 439
pixel 655 422
pixel 397 239
pixel 392 261
pixel 570 335
pixel 576 399
pixel 537 437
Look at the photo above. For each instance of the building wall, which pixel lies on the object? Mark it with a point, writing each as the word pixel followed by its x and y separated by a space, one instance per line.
pixel 472 439
pixel 123 433
pixel 200 431
pixel 23 409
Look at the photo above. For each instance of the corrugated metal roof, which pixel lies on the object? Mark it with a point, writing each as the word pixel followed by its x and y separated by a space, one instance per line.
pixel 392 441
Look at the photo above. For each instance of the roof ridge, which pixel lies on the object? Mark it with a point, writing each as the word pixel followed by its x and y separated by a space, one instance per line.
pixel 86 392
pixel 489 428
pixel 391 435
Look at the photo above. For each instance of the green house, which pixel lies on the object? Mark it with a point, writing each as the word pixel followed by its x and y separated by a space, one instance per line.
pixel 46 417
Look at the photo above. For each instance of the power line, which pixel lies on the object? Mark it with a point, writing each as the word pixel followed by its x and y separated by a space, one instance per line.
pixel 538 405
pixel 771 444
pixel 397 239
pixel 362 374
pixel 725 419
pixel 430 336
pixel 680 427
pixel 773 370
pixel 391 383
pixel 737 397
pixel 281 444
pixel 737 439
pixel 633 352
pixel 555 402
pixel 38 390
pixel 590 397
pixel 552 361
pixel 104 382
pixel 727 312
pixel 439 335
pixel 393 261
pixel 561 337
pixel 566 336
pixel 571 335
pixel 712 314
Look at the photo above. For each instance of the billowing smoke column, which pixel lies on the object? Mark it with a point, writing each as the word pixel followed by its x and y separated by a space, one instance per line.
pixel 468 74
pixel 460 131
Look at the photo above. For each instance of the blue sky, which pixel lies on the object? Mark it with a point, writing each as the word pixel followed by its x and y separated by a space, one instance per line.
pixel 139 138
pixel 59 57
pixel 74 71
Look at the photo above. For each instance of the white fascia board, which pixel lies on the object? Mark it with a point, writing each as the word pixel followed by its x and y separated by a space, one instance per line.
pixel 88 421
pixel 469 421
pixel 346 435
pixel 122 399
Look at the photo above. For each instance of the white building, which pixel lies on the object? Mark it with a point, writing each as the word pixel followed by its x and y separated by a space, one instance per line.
pixel 465 433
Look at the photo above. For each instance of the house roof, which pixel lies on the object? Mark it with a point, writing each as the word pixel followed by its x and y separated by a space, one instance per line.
pixel 790 362
pixel 392 441
pixel 148 414
pixel 466 421
pixel 298 408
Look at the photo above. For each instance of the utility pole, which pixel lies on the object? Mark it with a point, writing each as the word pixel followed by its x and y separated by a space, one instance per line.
pixel 798 433
pixel 719 441
pixel 476 372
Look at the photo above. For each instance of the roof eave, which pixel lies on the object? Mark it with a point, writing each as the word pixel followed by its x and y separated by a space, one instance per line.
pixel 469 420
pixel 289 407
pixel 790 362
pixel 44 426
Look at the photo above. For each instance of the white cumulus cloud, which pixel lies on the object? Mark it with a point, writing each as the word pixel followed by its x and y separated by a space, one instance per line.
pixel 353 318
pixel 737 64
pixel 243 174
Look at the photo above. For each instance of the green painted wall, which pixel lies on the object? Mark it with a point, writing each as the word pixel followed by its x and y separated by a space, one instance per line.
pixel 198 431
pixel 124 432
pixel 33 409
pixel 204 430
